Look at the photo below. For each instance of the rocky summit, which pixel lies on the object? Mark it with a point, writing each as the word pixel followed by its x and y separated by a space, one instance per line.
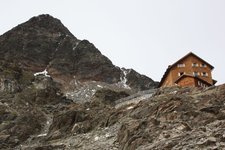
pixel 44 43
pixel 59 92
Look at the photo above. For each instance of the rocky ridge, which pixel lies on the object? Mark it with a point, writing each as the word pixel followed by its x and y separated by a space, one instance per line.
pixel 44 43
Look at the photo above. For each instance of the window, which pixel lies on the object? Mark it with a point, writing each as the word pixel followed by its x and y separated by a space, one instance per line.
pixel 204 74
pixel 195 74
pixel 203 65
pixel 181 73
pixel 180 65
pixel 194 65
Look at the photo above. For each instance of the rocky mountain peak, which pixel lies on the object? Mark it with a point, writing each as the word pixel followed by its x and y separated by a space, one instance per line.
pixel 42 23
pixel 44 43
pixel 32 44
pixel 44 18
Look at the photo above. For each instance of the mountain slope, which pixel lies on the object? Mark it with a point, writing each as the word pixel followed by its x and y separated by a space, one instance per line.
pixel 58 92
pixel 172 118
pixel 44 42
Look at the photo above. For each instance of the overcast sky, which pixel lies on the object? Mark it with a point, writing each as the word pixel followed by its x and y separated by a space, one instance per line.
pixel 146 35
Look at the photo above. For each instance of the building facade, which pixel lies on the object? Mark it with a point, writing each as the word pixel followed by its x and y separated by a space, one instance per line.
pixel 190 70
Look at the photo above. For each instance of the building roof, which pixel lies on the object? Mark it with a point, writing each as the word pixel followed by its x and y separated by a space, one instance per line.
pixel 170 66
pixel 214 81
pixel 187 75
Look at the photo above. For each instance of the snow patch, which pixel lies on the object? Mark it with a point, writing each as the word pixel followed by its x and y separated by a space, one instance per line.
pixel 45 73
pixel 123 79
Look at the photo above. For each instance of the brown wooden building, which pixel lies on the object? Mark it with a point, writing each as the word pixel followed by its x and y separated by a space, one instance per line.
pixel 190 70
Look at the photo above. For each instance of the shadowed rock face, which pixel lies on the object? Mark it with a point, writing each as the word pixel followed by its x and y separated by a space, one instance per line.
pixel 141 82
pixel 33 43
pixel 44 42
pixel 84 61
pixel 107 96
